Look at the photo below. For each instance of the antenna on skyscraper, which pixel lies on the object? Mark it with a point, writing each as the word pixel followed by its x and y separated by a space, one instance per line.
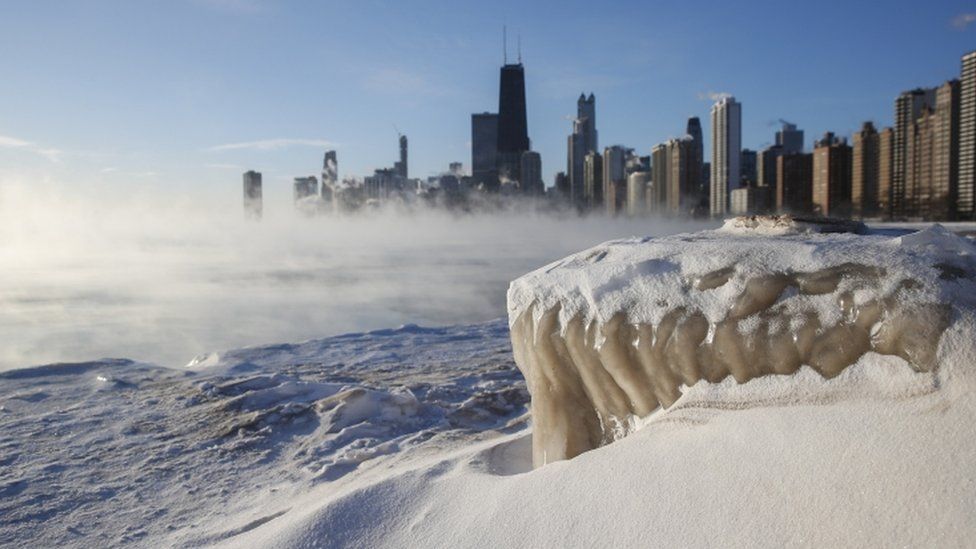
pixel 520 48
pixel 505 44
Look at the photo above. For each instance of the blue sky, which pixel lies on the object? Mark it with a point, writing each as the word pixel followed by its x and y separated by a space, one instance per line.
pixel 192 92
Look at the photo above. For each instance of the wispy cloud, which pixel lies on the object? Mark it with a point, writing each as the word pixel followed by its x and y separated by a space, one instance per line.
pixel 272 144
pixel 126 173
pixel 963 20
pixel 713 96
pixel 52 154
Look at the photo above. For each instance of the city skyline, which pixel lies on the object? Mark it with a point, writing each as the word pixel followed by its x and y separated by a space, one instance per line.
pixel 284 140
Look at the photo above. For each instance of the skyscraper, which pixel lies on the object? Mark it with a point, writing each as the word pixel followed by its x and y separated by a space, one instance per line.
pixel 790 138
pixel 330 176
pixel 864 172
pixel 726 152
pixel 615 178
pixel 513 133
pixel 682 175
pixel 694 130
pixel 908 107
pixel 966 195
pixel 253 199
pixel 581 141
pixel 484 143
pixel 832 177
pixel 531 170
pixel 592 180
pixel 401 166
pixel 305 187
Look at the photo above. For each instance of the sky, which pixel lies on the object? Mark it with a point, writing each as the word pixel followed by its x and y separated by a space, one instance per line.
pixel 187 94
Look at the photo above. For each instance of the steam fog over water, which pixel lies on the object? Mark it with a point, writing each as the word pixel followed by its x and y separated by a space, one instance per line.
pixel 163 279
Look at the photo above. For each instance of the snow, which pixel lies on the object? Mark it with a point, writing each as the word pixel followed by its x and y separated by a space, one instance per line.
pixel 421 437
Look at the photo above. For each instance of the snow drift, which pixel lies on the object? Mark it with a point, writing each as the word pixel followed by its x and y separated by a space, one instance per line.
pixel 607 336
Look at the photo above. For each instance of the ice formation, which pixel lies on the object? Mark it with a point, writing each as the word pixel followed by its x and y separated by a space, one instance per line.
pixel 609 335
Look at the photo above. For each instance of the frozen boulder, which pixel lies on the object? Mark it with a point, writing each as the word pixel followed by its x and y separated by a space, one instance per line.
pixel 608 335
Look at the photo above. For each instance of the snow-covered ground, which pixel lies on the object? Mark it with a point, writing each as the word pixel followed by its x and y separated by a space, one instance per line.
pixel 421 437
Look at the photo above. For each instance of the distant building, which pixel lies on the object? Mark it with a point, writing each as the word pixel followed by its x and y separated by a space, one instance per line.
pixel 637 186
pixel 615 178
pixel 766 166
pixel 865 163
pixel 253 195
pixel 908 108
pixel 592 180
pixel 561 185
pixel 657 197
pixel 682 176
pixel 966 194
pixel 484 143
pixel 401 166
pixel 531 170
pixel 456 168
pixel 941 198
pixel 749 200
pixel 794 183
pixel 749 174
pixel 513 133
pixel 583 140
pixel 726 152
pixel 886 144
pixel 330 178
pixel 789 138
pixel 832 177
pixel 694 130
pixel 305 187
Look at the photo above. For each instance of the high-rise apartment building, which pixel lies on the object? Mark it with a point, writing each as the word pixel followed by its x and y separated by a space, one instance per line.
pixel 966 193
pixel 683 176
pixel 942 193
pixel 657 197
pixel 726 152
pixel 865 164
pixel 253 195
pixel 794 183
pixel 637 183
pixel 484 143
pixel 513 133
pixel 908 108
pixel 832 177
pixel 886 153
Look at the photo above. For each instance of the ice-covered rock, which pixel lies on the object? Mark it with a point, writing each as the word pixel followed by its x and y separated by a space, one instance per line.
pixel 609 335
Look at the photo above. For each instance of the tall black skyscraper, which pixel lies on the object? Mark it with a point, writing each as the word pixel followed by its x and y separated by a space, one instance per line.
pixel 513 132
pixel 694 130
pixel 401 166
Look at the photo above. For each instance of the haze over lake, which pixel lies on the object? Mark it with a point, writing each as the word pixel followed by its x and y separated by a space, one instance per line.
pixel 163 279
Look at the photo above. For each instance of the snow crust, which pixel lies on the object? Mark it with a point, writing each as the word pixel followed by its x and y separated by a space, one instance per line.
pixel 420 437
pixel 608 335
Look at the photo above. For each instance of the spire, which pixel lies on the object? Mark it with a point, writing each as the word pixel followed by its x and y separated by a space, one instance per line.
pixel 519 49
pixel 504 44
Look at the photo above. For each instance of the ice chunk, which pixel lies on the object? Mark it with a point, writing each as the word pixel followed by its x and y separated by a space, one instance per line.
pixel 597 359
